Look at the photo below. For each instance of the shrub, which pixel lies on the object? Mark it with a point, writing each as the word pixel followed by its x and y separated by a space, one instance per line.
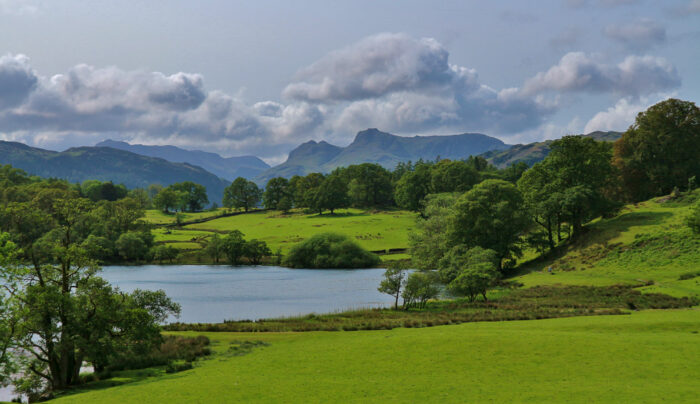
pixel 693 220
pixel 330 250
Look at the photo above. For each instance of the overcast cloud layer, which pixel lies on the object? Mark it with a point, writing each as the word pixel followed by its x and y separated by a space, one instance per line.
pixel 397 82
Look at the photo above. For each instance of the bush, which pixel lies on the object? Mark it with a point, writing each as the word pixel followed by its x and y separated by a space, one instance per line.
pixel 693 220
pixel 330 250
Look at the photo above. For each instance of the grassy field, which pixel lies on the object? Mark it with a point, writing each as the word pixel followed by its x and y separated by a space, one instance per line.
pixel 373 230
pixel 646 242
pixel 649 356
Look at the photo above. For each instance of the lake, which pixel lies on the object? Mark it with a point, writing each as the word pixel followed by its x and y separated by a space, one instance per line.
pixel 214 293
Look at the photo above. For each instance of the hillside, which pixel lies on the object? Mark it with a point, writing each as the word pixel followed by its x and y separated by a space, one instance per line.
pixel 374 146
pixel 646 243
pixel 532 153
pixel 228 168
pixel 107 164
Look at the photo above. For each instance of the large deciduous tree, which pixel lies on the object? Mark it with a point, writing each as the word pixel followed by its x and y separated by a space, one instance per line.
pixel 492 216
pixel 242 194
pixel 276 190
pixel 661 150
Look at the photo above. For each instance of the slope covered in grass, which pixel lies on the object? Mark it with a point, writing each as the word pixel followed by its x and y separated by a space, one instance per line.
pixel 645 242
pixel 648 356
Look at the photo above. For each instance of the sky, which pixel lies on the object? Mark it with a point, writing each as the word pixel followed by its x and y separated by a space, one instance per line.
pixel 260 77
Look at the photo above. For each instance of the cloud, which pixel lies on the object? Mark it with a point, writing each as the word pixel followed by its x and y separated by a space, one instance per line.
pixel 579 72
pixel 373 67
pixel 621 115
pixel 17 80
pixel 693 7
pixel 17 7
pixel 639 35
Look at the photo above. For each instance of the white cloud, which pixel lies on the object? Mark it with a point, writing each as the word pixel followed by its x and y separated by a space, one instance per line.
pixel 579 72
pixel 621 115
pixel 18 7
pixel 638 35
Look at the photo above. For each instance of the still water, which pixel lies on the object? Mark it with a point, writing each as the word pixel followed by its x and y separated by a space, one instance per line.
pixel 210 294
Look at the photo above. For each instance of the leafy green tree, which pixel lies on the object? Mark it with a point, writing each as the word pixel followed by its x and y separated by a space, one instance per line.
pixel 430 239
pixel 195 195
pixel 215 247
pixel 419 288
pixel 369 185
pixel 242 194
pixel 412 188
pixel 305 189
pixel 98 248
pixel 331 195
pixel 234 246
pixel 453 176
pixel 255 250
pixel 582 173
pixel 543 199
pixel 165 253
pixel 166 199
pixel 329 250
pixel 461 257
pixel 513 172
pixel 392 283
pixel 134 245
pixel 660 150
pixel 277 189
pixel 475 279
pixel 492 216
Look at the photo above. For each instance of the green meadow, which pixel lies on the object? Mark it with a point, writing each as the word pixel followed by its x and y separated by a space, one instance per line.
pixel 647 356
pixel 373 230
pixel 630 356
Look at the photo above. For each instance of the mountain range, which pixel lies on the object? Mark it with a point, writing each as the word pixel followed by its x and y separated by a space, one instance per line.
pixel 108 164
pixel 385 149
pixel 140 166
pixel 228 168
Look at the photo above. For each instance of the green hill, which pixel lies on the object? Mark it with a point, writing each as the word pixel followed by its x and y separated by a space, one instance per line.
pixel 532 153
pixel 107 164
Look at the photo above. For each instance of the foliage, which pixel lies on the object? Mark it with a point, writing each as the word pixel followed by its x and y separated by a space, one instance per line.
pixel 660 150
pixel 693 219
pixel 234 246
pixel 331 195
pixel 419 288
pixel 134 245
pixel 276 190
pixel 430 241
pixel 242 194
pixel 393 282
pixel 490 216
pixel 215 247
pixel 329 250
pixel 166 199
pixel 255 250
pixel 194 196
pixel 369 185
pixel 165 253
pixel 412 188
pixel 461 257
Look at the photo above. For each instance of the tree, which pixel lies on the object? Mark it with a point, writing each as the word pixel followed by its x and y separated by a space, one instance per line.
pixel 193 196
pixel 329 250
pixel 277 189
pixel 165 252
pixel 331 195
pixel 255 251
pixel 491 216
pixel 234 244
pixel 305 189
pixel 461 257
pixel 543 199
pixel 412 188
pixel 660 150
pixel 474 280
pixel 242 194
pixel 453 176
pixel 215 247
pixel 420 287
pixel 369 185
pixel 132 246
pixel 392 283
pixel 63 314
pixel 166 199
pixel 581 171
pixel 430 240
